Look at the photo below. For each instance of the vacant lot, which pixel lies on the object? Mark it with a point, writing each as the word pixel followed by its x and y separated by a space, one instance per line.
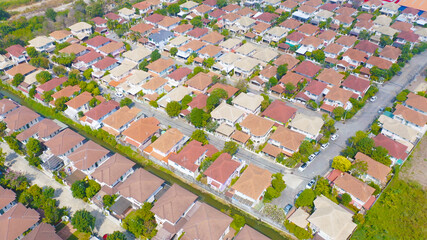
pixel 415 169
pixel 400 211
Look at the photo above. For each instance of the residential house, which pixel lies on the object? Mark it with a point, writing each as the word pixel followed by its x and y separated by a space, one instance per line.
pixel 226 62
pixel 371 5
pixel 331 221
pixel 327 36
pixel 200 82
pixel 7 199
pixel 394 129
pixel 6 107
pixel 346 41
pixel 43 131
pixel 249 189
pixel 246 66
pixel 248 233
pixel 51 85
pixel 330 77
pixel 213 38
pixel 113 171
pixel 188 160
pixel 78 104
pixel 408 37
pixel 159 39
pixel 169 142
pixel 381 63
pixel 120 120
pixel 376 172
pixel 337 97
pixel 192 46
pixel 210 51
pixel 188 6
pixel 310 44
pixel 245 23
pixel 290 23
pixel 176 94
pixel 154 86
pixel 140 187
pixel 68 92
pixel 142 28
pixel 228 114
pixel 87 157
pixel 21 118
pixel 287 140
pixel 307 69
pixel 248 102
pixel 390 8
pixel 390 53
pixel 112 48
pixel 81 30
pixel 206 223
pixel 18 220
pixel 366 47
pixel 314 90
pixel 308 29
pixel 411 118
pixel 128 14
pixel 75 49
pixel 222 171
pixel 344 20
pixel 43 231
pixel 100 24
pixel 122 71
pixel 230 90
pixel 279 112
pixel 354 58
pixel 307 125
pixel 172 208
pixel 87 60
pixel 416 102
pixel 60 36
pixel 178 76
pixel 197 33
pixel 140 132
pixel 161 66
pixel 96 115
pixel 169 23
pixel 357 85
pixel 261 28
pixel 42 44
pixel 360 192
pixel 17 53
pixel 333 50
pixel 257 128
pixel 304 13
pixel 410 15
pixel 288 6
pixel 396 150
pixel 267 17
pixel 64 143
pixel 322 16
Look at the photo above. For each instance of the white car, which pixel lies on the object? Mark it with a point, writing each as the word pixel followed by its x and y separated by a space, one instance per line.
pixel 310 184
pixel 324 146
pixel 373 99
pixel 119 94
pixel 334 137
pixel 302 167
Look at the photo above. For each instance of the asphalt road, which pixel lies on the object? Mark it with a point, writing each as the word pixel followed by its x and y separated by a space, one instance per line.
pixel 361 121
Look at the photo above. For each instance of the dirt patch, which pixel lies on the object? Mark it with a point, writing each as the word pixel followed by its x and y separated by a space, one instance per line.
pixel 416 167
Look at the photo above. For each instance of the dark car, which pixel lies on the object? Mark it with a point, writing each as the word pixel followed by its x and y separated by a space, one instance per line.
pixel 287 208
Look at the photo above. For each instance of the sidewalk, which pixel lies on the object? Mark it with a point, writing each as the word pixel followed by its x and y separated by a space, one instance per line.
pixel 63 193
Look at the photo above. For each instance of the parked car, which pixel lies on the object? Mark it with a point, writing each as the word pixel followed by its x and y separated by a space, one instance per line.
pixel 324 146
pixel 311 158
pixel 317 153
pixel 302 167
pixel 119 94
pixel 373 99
pixel 380 110
pixel 399 73
pixel 299 193
pixel 334 137
pixel 310 184
pixel 287 208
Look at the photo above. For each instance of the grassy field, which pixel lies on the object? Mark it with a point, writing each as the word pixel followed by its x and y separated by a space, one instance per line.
pixel 400 212
pixel 8 4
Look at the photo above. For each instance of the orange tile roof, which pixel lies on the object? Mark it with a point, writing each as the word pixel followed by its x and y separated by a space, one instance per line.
pixel 257 125
pixel 375 169
pixel 354 186
pixel 288 138
pixel 253 181
pixel 142 129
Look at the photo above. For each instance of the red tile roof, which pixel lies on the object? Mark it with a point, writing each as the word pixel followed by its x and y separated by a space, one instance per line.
pixel 222 168
pixel 102 109
pixel 356 83
pixel 89 57
pixel 16 50
pixel 366 46
pixel 154 18
pixel 279 111
pixel 105 63
pixel 316 87
pixel 99 20
pixel 98 41
pixel 198 32
pixel 409 36
pixel 267 17
pixel 395 149
pixel 188 156
pixel 199 101
pixel 179 73
pixel 52 84
pixel 307 68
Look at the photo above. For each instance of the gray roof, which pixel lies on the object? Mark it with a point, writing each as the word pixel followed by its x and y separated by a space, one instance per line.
pixel 121 206
pixel 53 163
pixel 162 35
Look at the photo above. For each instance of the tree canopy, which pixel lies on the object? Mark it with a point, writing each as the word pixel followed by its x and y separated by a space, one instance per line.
pixel 34 147
pixel 83 221
pixel 141 222
pixel 43 77
pixel 173 108
pixel 306 198
pixel 201 136
pixel 230 147
pixel 341 163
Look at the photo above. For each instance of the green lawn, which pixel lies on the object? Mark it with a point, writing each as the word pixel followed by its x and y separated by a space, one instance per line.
pixel 79 236
pixel 400 213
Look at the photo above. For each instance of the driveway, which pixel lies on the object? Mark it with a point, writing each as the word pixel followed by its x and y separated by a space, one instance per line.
pixel 63 193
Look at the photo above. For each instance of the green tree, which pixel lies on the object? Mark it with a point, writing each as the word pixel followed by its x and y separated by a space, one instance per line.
pixel 341 163
pixel 365 145
pixel 78 189
pixel 173 9
pixel 141 222
pixel 200 136
pixel 319 55
pixel 359 168
pixel 306 198
pixel 32 91
pixel 43 76
pixel 173 51
pixel 60 103
pixel 116 235
pixel 108 200
pixel 143 65
pixel 282 70
pixel 4 15
pixel 33 147
pixel 364 35
pixel 173 108
pixel 2 158
pixel 17 79
pixel 93 102
pixel 380 154
pixel 338 112
pixel 221 3
pixel 125 102
pixel 51 14
pixel 402 96
pixel 155 55
pixel 385 40
pixel 198 117
pixel 322 187
pixel 88 73
pixel 238 222
pixel 32 52
pixel 3 127
pixel 209 62
pixel 83 221
pixel 197 22
pixel 92 188
pixel 345 199
pixel 230 148
pixel 212 102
